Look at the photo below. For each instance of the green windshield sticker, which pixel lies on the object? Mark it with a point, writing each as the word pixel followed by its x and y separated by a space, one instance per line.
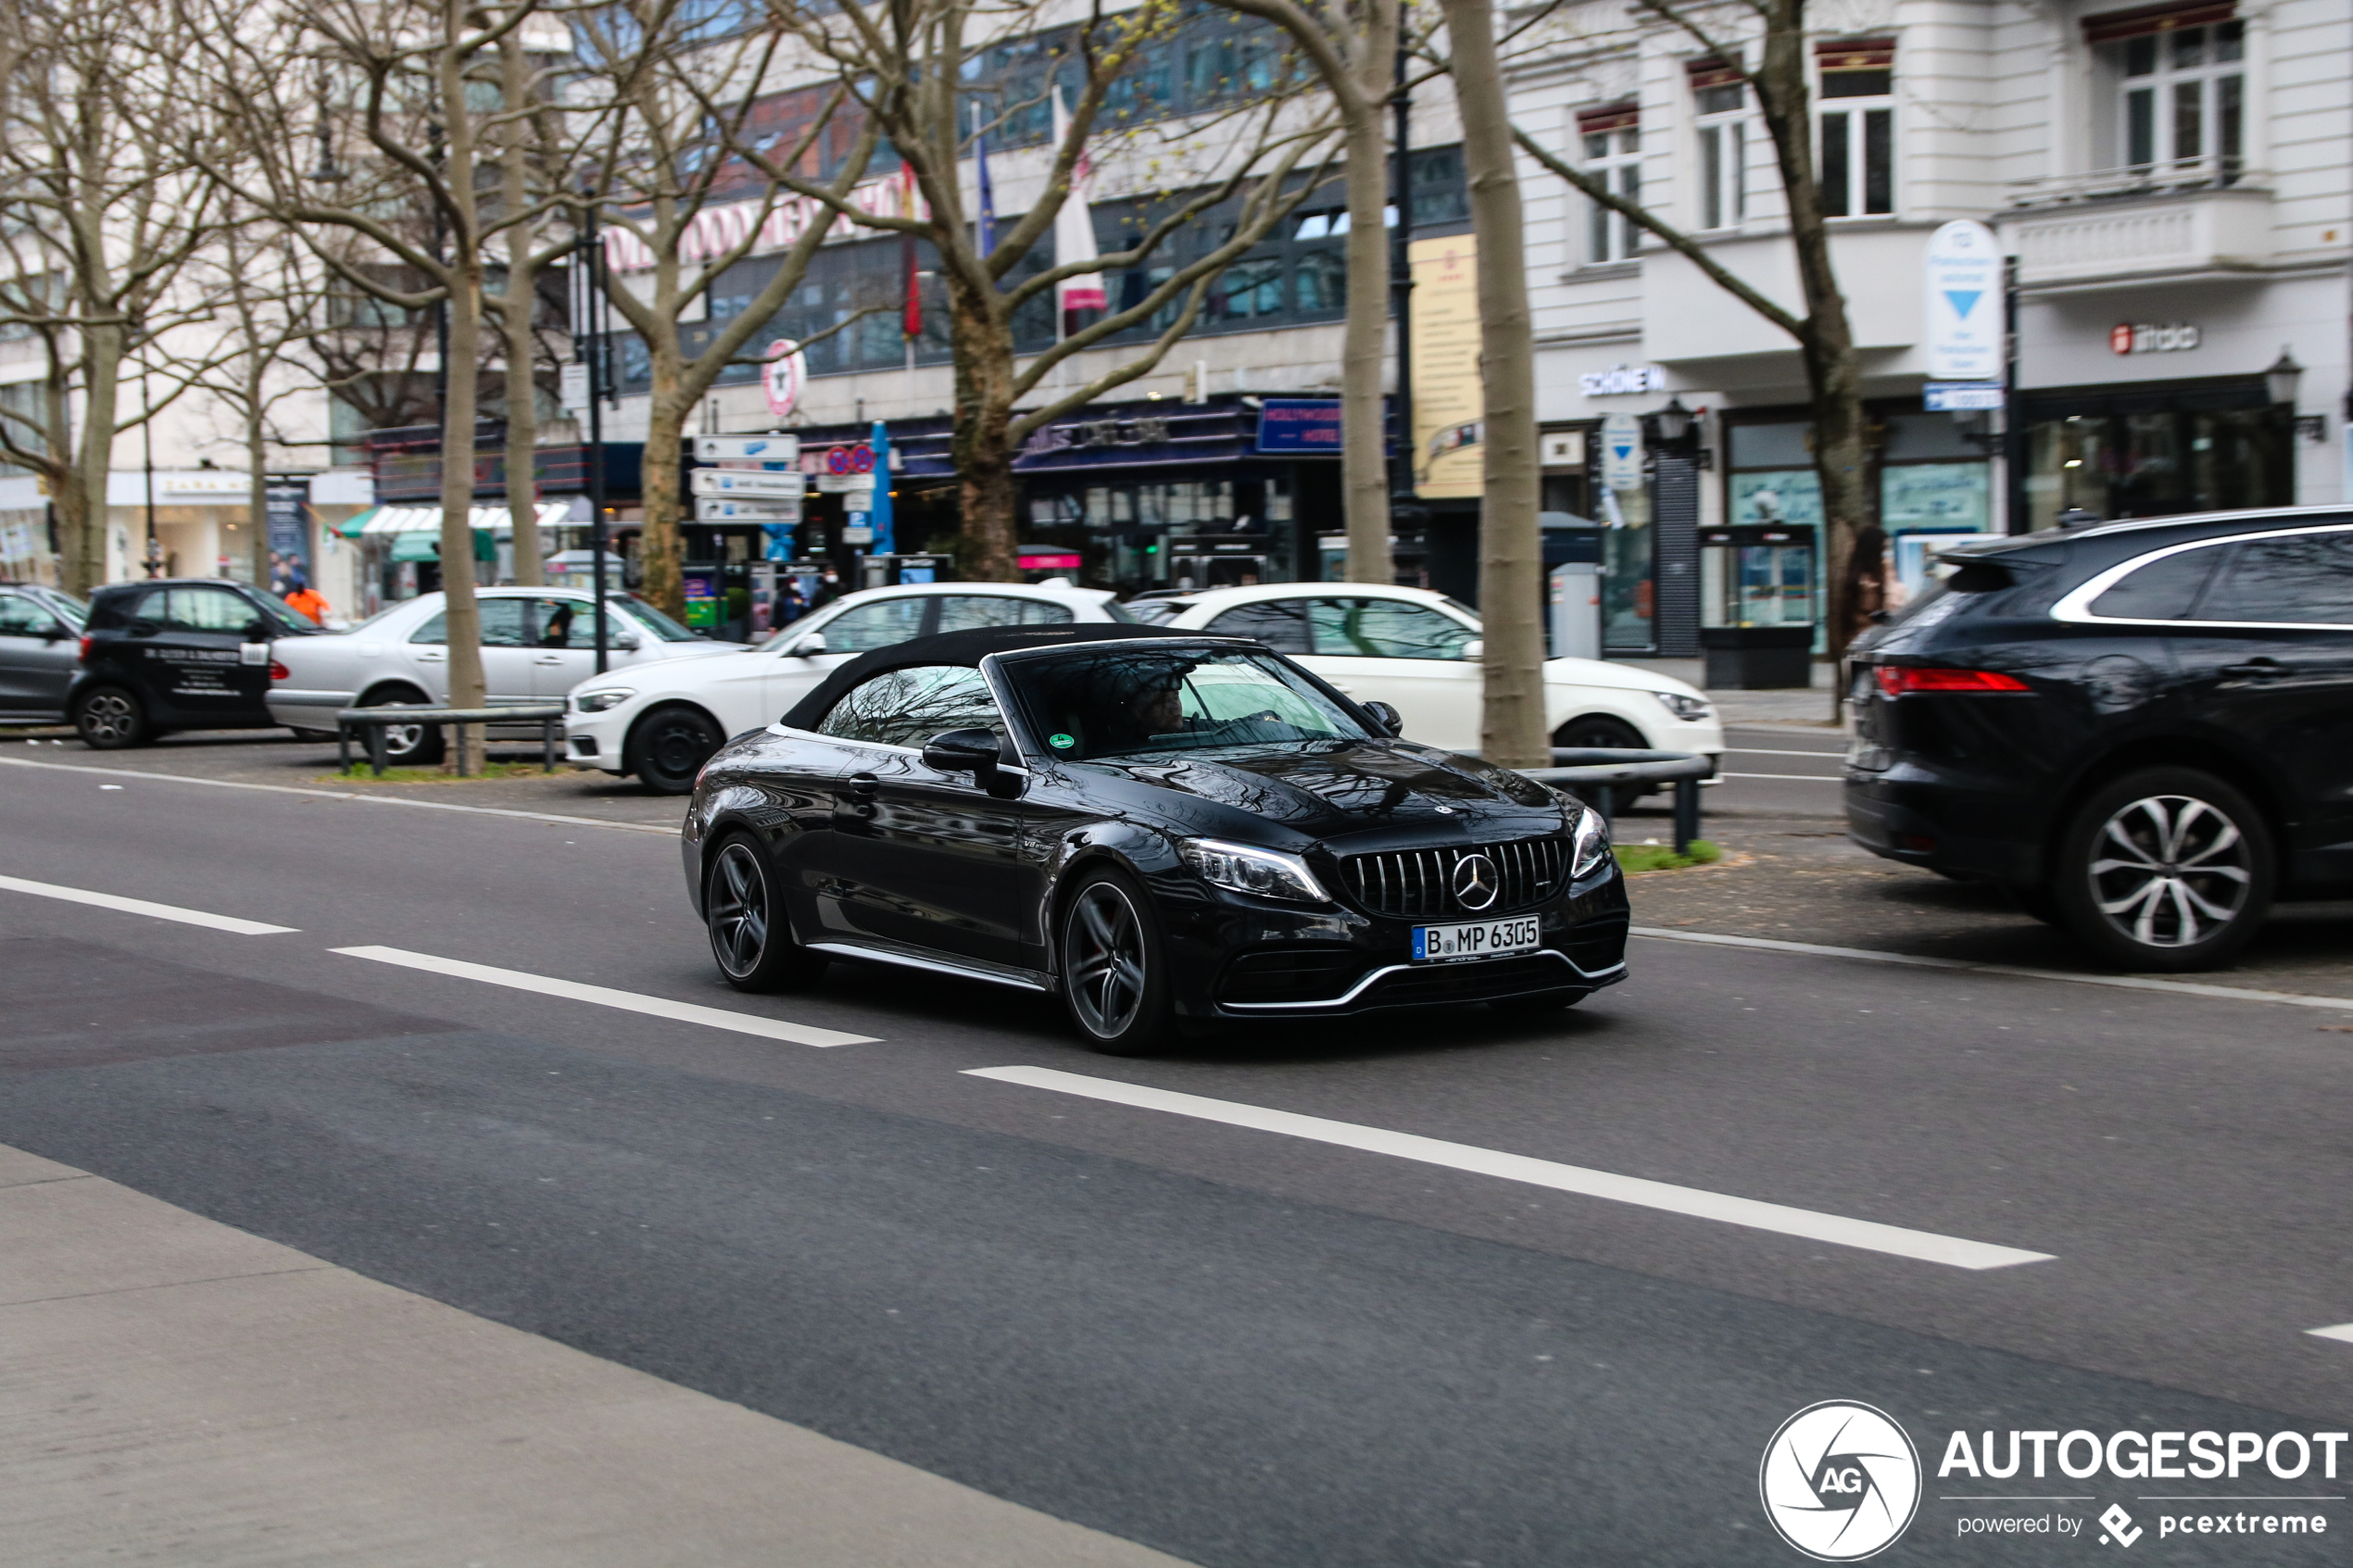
pixel 1061 742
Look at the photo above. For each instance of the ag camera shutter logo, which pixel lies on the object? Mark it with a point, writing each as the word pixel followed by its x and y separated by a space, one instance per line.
pixel 1840 1481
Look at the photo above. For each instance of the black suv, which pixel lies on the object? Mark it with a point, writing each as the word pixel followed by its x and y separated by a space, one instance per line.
pixel 2144 729
pixel 178 654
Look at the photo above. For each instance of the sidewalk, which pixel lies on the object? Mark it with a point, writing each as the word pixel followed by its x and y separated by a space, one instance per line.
pixel 174 1390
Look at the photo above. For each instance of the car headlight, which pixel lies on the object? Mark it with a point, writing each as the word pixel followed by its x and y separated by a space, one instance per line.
pixel 1269 874
pixel 597 702
pixel 1682 707
pixel 1591 845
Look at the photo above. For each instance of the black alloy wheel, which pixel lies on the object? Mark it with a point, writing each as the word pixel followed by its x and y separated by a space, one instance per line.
pixel 2165 869
pixel 669 747
pixel 110 719
pixel 406 745
pixel 1616 734
pixel 1113 973
pixel 750 937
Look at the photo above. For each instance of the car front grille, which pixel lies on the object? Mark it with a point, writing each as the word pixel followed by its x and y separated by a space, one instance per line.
pixel 1419 884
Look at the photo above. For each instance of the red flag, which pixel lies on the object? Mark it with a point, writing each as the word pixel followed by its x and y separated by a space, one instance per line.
pixel 910 322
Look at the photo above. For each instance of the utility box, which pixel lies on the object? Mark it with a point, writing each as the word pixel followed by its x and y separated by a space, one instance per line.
pixel 1572 585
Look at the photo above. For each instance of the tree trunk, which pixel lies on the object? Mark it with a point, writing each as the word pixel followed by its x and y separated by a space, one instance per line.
pixel 983 447
pixel 464 612
pixel 257 486
pixel 523 454
pixel 661 550
pixel 1512 728
pixel 84 542
pixel 1364 433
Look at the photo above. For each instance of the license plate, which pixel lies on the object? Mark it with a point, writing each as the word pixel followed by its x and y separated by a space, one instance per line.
pixel 1478 939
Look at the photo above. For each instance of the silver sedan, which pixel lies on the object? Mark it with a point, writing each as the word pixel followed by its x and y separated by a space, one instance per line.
pixel 536 644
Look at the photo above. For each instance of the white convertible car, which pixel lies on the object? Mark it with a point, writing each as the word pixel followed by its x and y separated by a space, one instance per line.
pixel 1418 652
pixel 662 722
pixel 536 644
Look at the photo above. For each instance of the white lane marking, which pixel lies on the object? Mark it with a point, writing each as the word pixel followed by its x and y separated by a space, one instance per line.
pixel 1917 960
pixel 1762 751
pixel 602 995
pixel 141 907
pixel 340 795
pixel 1868 1235
pixel 1801 778
pixel 2335 1330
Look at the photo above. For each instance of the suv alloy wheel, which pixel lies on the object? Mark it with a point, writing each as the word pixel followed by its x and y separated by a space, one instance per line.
pixel 2165 869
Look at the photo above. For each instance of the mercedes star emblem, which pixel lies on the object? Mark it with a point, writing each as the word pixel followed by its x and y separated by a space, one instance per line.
pixel 1476 884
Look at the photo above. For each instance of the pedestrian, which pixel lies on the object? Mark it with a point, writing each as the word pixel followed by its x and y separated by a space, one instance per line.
pixel 828 589
pixel 1870 582
pixel 791 603
pixel 308 601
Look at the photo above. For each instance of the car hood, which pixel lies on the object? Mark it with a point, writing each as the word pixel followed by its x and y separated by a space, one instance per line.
pixel 1615 677
pixel 692 666
pixel 1334 786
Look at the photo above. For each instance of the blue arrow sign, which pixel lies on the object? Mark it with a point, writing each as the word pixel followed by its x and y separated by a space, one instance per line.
pixel 1963 298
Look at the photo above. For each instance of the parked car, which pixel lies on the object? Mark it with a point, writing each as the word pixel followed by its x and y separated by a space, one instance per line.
pixel 40 649
pixel 2144 729
pixel 1418 652
pixel 178 654
pixel 1153 824
pixel 536 644
pixel 662 724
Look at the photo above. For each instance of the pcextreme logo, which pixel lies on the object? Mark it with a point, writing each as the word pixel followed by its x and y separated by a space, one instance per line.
pixel 1841 1481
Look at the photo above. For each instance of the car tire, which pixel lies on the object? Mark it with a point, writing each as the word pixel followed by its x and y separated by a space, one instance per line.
pixel 1115 964
pixel 751 938
pixel 406 746
pixel 1600 729
pixel 2165 869
pixel 111 719
pixel 668 748
pixel 1537 1006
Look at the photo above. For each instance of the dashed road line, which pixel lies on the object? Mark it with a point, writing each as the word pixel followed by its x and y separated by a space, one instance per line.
pixel 604 995
pixel 145 907
pixel 2335 1330
pixel 1868 1234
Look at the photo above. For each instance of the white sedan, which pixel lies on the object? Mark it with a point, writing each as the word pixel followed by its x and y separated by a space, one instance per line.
pixel 663 724
pixel 536 644
pixel 1418 652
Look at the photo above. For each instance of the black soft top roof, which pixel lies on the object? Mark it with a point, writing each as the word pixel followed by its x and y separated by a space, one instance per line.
pixel 968 648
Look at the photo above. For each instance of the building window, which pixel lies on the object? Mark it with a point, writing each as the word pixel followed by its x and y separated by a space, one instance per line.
pixel 1721 99
pixel 1612 141
pixel 1857 135
pixel 2180 88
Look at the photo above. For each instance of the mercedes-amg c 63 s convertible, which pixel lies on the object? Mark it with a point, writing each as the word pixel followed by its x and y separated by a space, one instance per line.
pixel 1156 826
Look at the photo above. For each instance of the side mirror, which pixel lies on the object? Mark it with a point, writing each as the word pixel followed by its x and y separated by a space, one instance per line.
pixel 1474 649
pixel 1387 718
pixel 627 642
pixel 809 646
pixel 957 751
pixel 260 630
pixel 57 633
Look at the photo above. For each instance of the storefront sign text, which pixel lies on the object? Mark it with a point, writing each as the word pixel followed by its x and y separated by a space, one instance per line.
pixel 2144 337
pixel 1619 380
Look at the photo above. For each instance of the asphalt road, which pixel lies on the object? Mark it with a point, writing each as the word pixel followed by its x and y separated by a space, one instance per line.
pixel 1283 1343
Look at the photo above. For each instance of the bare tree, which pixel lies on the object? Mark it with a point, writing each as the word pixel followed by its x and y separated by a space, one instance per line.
pixel 1353 45
pixel 101 207
pixel 1775 31
pixel 907 67
pixel 531 171
pixel 1512 728
pixel 685 194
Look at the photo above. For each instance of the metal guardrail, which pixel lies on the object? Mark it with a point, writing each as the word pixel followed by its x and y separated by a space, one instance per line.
pixel 1588 771
pixel 375 721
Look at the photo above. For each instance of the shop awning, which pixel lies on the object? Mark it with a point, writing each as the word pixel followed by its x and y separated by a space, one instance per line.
pixel 498 520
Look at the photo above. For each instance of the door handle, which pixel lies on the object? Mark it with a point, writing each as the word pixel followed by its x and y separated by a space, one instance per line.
pixel 2256 669
pixel 865 786
pixel 548 658
pixel 431 658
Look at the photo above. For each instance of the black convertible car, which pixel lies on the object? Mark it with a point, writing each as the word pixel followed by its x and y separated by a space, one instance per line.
pixel 1156 825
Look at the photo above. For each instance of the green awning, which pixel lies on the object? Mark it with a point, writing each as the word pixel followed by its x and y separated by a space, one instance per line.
pixel 427 546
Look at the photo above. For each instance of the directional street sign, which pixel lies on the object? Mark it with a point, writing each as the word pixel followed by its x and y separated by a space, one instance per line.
pixel 1963 326
pixel 748 482
pixel 1622 452
pixel 764 508
pixel 771 451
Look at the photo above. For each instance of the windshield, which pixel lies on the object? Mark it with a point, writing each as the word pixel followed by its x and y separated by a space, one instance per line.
pixel 1128 701
pixel 291 618
pixel 661 625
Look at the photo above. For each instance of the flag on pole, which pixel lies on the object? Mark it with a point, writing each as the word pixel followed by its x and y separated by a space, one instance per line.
pixel 911 319
pixel 1074 225
pixel 987 194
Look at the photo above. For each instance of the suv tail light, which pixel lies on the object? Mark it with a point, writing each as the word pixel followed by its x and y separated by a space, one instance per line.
pixel 279 671
pixel 84 655
pixel 1902 680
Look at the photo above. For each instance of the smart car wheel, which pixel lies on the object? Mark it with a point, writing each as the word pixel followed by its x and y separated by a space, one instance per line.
pixel 1114 973
pixel 669 747
pixel 111 718
pixel 2167 869
pixel 750 936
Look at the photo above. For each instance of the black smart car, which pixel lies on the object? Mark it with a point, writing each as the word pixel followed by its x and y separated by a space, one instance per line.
pixel 176 654
pixel 1156 825
pixel 2145 729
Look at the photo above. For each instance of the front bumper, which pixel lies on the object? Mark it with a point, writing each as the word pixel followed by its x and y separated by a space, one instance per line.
pixel 1241 957
pixel 596 740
